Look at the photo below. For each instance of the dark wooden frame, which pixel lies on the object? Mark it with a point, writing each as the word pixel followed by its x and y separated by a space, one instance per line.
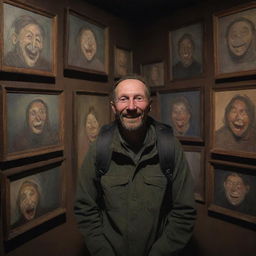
pixel 227 166
pixel 145 65
pixel 32 71
pixel 201 117
pixel 223 151
pixel 85 18
pixel 203 52
pixel 201 151
pixel 218 42
pixel 130 67
pixel 5 155
pixel 22 172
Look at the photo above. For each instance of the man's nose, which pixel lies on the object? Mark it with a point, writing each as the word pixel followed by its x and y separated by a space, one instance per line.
pixel 131 104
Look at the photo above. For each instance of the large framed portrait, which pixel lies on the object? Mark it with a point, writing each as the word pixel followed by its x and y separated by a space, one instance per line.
pixel 234 122
pixel 186 52
pixel 183 110
pixel 123 61
pixel 87 46
pixel 32 195
pixel 29 40
pixel 92 110
pixel 234 41
pixel 32 122
pixel 196 162
pixel 153 73
pixel 232 191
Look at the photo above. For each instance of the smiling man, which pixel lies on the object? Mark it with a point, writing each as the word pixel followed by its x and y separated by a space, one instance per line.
pixel 131 210
pixel 238 132
pixel 28 43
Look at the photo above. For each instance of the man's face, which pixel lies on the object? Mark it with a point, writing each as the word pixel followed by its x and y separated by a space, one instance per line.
pixel 238 119
pixel 30 43
pixel 88 44
pixel 180 117
pixel 186 50
pixel 37 117
pixel 28 201
pixel 235 189
pixel 131 104
pixel 92 127
pixel 240 37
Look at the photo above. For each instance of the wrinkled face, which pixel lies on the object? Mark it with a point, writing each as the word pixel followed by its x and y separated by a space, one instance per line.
pixel 131 104
pixel 92 127
pixel 186 51
pixel 180 117
pixel 30 42
pixel 88 44
pixel 37 117
pixel 238 119
pixel 235 189
pixel 240 37
pixel 29 198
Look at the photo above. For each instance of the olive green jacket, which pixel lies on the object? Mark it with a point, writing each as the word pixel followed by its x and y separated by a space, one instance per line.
pixel 133 189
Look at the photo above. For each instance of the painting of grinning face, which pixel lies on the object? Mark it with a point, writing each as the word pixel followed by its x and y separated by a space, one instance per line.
pixel 28 200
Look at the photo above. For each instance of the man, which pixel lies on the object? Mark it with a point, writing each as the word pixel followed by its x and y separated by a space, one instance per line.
pixel 128 219
pixel 238 131
pixel 28 44
pixel 187 66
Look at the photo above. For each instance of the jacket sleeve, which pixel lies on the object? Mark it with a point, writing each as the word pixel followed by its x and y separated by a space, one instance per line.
pixel 180 220
pixel 87 211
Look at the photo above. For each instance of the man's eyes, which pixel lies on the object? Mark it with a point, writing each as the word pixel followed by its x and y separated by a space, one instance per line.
pixel 136 98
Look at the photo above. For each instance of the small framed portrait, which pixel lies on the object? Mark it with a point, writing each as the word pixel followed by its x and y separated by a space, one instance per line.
pixel 232 191
pixel 29 40
pixel 86 43
pixel 32 122
pixel 123 62
pixel 186 52
pixel 234 122
pixel 153 73
pixel 195 159
pixel 32 195
pixel 91 112
pixel 183 111
pixel 234 41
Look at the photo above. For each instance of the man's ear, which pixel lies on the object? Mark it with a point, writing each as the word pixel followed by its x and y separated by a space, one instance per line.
pixel 113 107
pixel 14 38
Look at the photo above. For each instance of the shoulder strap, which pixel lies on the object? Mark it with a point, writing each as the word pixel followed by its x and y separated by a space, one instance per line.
pixel 103 151
pixel 165 147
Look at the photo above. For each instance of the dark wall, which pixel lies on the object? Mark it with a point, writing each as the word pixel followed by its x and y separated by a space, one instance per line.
pixel 213 236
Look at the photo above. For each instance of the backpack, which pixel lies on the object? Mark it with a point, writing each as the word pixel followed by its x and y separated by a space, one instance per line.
pixel 165 147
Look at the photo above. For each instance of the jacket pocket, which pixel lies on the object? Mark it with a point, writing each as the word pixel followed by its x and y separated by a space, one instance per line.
pixel 155 187
pixel 114 191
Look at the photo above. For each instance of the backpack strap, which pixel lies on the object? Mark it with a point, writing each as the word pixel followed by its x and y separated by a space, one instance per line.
pixel 165 147
pixel 103 151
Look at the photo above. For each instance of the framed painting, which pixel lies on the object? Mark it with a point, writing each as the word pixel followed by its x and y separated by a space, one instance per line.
pixel 123 62
pixel 186 52
pixel 234 122
pixel 232 191
pixel 29 40
pixel 196 162
pixel 234 41
pixel 183 110
pixel 87 45
pixel 92 110
pixel 153 73
pixel 32 195
pixel 32 122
